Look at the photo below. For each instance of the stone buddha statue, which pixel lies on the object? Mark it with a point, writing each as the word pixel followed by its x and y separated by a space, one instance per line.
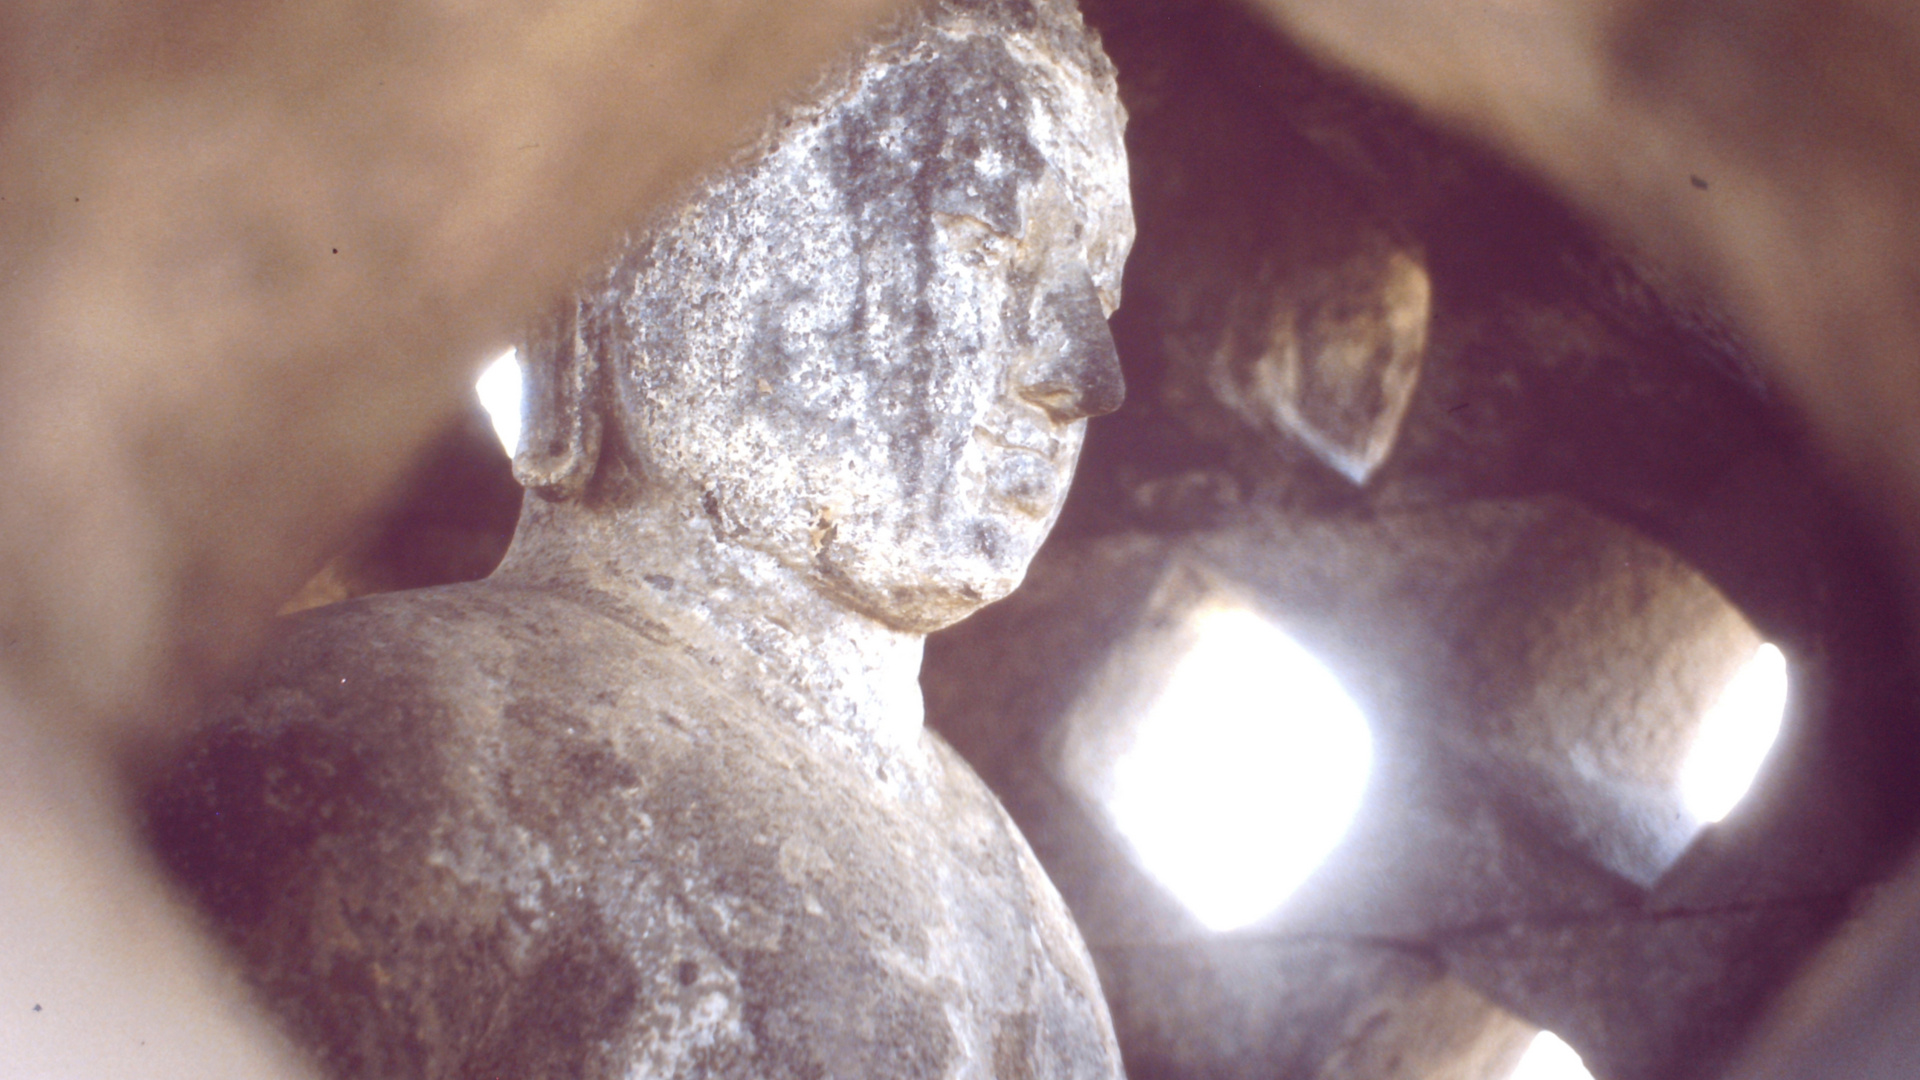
pixel 655 798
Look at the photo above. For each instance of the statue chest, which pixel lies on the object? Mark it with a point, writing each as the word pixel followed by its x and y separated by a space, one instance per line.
pixel 623 881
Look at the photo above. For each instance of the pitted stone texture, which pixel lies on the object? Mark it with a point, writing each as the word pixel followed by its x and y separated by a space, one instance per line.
pixel 1496 647
pixel 484 830
pixel 1247 1007
pixel 1531 672
pixel 655 798
pixel 962 206
pixel 1667 992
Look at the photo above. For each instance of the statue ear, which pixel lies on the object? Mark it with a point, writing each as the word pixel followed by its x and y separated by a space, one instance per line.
pixel 560 408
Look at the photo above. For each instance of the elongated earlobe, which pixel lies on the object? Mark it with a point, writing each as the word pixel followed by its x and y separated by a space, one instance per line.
pixel 560 410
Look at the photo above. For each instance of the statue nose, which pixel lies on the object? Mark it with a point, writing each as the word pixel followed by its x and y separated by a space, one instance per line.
pixel 1074 371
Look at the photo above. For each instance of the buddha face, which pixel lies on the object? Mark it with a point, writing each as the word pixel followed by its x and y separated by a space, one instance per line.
pixel 872 353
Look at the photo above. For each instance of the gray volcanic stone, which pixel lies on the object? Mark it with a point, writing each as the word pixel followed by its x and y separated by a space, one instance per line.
pixel 1251 1007
pixel 1327 353
pixel 655 799
pixel 1530 671
pixel 444 846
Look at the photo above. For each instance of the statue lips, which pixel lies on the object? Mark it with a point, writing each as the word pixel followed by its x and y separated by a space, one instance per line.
pixel 1027 477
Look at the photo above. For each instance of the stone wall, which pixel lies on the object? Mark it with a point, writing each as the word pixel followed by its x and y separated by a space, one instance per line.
pixel 1527 496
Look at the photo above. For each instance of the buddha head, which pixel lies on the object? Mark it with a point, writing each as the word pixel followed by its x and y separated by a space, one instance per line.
pixel 870 345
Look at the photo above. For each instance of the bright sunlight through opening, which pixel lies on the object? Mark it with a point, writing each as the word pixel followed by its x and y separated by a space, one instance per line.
pixel 1734 736
pixel 499 389
pixel 1549 1058
pixel 1245 773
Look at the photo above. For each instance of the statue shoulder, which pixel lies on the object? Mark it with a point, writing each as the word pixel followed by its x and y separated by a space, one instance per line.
pixel 392 814
pixel 372 715
pixel 403 657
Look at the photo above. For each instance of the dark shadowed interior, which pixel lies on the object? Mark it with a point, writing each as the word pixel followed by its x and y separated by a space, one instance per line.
pixel 1532 536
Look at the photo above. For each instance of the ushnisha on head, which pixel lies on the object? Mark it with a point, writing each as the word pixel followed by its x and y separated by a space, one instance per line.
pixel 869 348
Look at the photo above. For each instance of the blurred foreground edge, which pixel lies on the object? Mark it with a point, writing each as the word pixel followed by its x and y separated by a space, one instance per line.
pixel 254 253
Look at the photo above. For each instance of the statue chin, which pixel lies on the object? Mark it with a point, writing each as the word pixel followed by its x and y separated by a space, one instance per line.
pixel 981 563
pixel 655 798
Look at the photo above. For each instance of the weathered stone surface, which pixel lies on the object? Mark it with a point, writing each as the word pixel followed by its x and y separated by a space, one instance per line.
pixel 655 798
pixel 502 830
pixel 1528 722
pixel 1472 845
pixel 865 292
pixel 1553 368
pixel 1430 853
pixel 1328 352
pixel 254 250
pixel 1459 853
pixel 1545 372
pixel 1663 992
pixel 1579 678
pixel 1700 76
pixel 1247 1007
pixel 1444 1031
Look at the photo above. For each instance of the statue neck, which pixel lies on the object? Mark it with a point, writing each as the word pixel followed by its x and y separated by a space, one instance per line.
pixel 849 682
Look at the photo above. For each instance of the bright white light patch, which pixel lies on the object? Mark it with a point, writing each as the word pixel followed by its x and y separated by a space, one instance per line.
pixel 1735 735
pixel 1245 772
pixel 499 389
pixel 1549 1058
